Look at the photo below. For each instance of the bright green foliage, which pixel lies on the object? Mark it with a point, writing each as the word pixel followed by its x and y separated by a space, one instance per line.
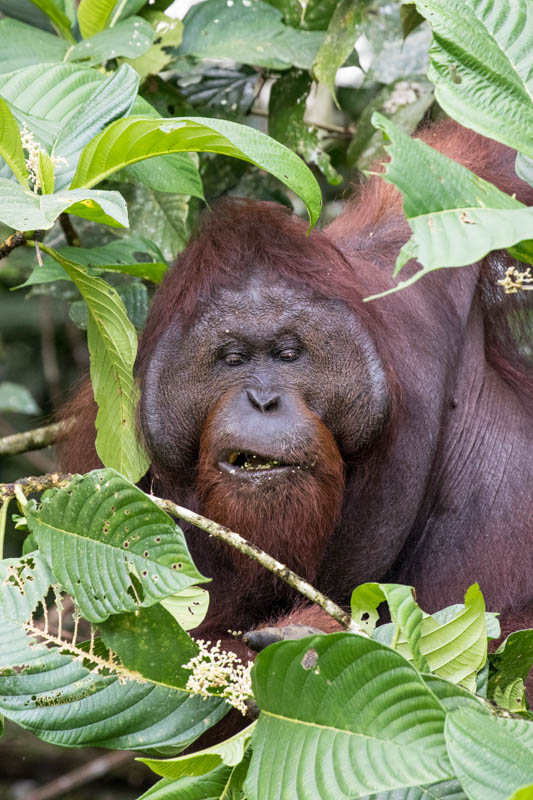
pixel 492 757
pixel 343 31
pixel 11 145
pixel 58 18
pixel 130 38
pixel 76 695
pixel 94 16
pixel 103 531
pixel 136 138
pixel 510 666
pixel 456 217
pixel 480 63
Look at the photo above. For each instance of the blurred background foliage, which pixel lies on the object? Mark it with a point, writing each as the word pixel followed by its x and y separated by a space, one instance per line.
pixel 309 74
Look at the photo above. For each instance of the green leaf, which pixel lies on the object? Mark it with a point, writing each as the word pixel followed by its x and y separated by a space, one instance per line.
pixel 151 642
pixel 94 16
pixel 129 38
pixel 133 295
pixel 136 138
pixel 456 217
pixel 112 348
pixel 229 752
pixel 16 399
pixel 492 757
pixel 444 790
pixel 24 210
pixel 480 63
pixel 67 696
pixel 174 174
pixel 286 123
pixel 109 546
pixel 213 786
pixel 45 173
pixel 526 793
pixel 16 54
pixel 59 20
pixel 343 32
pixel 168 32
pixel 410 18
pixel 188 607
pixel 159 216
pixel 342 716
pixel 249 34
pixel 119 255
pixel 405 613
pixel 11 145
pixel 524 168
pixel 509 667
pixel 110 100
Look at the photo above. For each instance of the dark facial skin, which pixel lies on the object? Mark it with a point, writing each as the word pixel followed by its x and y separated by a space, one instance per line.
pixel 263 351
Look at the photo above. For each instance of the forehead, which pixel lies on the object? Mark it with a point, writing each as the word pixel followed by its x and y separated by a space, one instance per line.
pixel 260 304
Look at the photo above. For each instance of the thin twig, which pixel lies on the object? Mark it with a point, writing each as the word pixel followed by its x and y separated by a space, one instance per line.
pixel 31 440
pixel 79 776
pixel 235 540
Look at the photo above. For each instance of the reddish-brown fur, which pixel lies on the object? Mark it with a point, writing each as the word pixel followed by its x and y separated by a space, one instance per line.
pixel 441 497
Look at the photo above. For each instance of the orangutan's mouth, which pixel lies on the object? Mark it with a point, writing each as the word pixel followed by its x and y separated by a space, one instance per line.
pixel 238 462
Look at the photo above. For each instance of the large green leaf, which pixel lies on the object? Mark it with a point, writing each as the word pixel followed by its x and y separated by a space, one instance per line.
pixel 24 210
pixel 129 38
pixel 444 790
pixel 215 785
pixel 94 16
pixel 112 348
pixel 455 216
pixel 343 31
pixel 492 757
pixel 17 53
pixel 251 33
pixel 109 546
pixel 480 62
pixel 173 174
pixel 509 667
pixel 72 697
pixel 112 99
pixel 11 145
pixel 127 141
pixel 342 716
pixel 168 35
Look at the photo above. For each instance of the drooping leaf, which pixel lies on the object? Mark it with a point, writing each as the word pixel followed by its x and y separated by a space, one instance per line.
pixel 94 16
pixel 16 54
pixel 133 139
pixel 335 732
pixel 249 34
pixel 456 217
pixel 343 31
pixel 11 145
pixel 49 687
pixel 133 295
pixel 492 757
pixel 480 63
pixel 24 210
pixel 112 348
pixel 212 786
pixel 16 399
pixel 109 546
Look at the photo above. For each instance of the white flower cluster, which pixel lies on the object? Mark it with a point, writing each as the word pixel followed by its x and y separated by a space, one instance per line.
pixel 220 672
pixel 33 148
pixel 403 94
pixel 515 280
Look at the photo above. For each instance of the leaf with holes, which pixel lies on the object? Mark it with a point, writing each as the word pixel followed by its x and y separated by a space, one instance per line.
pixel 75 694
pixel 110 546
pixel 342 716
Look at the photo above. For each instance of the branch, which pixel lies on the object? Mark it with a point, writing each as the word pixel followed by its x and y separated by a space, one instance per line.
pixel 69 230
pixel 80 776
pixel 30 440
pixel 16 239
pixel 37 484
